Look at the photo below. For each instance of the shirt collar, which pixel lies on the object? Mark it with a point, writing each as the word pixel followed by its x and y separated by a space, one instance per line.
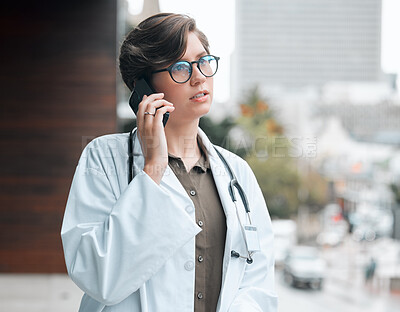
pixel 203 163
pixel 205 143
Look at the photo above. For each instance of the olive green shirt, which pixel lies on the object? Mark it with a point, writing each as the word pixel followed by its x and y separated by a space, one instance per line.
pixel 210 242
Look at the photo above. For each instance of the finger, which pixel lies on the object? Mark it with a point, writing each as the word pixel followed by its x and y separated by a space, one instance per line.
pixel 152 106
pixel 143 107
pixel 161 111
pixel 148 99
pixel 151 110
pixel 156 96
pixel 149 119
pixel 139 115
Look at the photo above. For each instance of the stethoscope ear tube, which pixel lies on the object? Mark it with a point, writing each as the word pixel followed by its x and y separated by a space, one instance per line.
pixel 130 156
pixel 235 183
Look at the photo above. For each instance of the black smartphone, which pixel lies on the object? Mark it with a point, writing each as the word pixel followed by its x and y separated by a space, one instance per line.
pixel 142 87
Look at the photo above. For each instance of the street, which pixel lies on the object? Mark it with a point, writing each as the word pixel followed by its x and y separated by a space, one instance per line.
pixel 335 296
pixel 344 288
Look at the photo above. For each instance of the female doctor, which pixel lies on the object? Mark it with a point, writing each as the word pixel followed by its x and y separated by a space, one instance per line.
pixel 178 236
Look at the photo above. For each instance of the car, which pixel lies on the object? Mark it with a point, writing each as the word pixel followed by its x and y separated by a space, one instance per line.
pixel 304 267
pixel 285 237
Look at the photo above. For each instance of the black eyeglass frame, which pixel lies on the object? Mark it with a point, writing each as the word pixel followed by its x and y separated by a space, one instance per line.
pixel 169 68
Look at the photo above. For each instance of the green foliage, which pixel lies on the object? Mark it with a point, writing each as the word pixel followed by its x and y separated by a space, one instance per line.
pixel 217 131
pixel 268 155
pixel 257 116
pixel 279 183
pixel 314 190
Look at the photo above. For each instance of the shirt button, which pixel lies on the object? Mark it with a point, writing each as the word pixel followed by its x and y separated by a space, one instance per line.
pixel 200 223
pixel 200 295
pixel 189 209
pixel 192 192
pixel 200 258
pixel 189 265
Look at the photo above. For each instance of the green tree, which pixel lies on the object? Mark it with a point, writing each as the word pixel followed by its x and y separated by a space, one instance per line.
pixel 218 132
pixel 269 156
pixel 279 183
pixel 313 190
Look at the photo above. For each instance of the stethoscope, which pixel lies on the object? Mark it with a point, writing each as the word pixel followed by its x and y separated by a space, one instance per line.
pixel 232 185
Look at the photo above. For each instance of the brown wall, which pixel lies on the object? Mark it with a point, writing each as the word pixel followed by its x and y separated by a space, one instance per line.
pixel 57 89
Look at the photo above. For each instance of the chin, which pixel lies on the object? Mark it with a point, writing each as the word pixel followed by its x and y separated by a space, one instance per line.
pixel 204 111
pixel 191 112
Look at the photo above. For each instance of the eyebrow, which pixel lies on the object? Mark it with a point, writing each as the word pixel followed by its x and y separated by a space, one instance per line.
pixel 202 53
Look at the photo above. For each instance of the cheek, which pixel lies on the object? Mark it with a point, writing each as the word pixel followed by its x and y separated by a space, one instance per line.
pixel 173 95
pixel 160 82
pixel 166 86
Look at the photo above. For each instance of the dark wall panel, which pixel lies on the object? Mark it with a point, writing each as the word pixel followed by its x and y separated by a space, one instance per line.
pixel 57 82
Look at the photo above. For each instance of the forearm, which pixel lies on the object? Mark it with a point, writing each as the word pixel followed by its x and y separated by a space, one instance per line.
pixel 111 258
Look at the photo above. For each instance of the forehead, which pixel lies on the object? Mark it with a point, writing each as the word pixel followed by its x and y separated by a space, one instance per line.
pixel 194 48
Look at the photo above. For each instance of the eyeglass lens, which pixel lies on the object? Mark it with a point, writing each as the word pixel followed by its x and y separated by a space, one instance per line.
pixel 181 71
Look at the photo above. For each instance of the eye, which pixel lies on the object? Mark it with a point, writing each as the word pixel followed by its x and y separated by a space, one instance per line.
pixel 208 65
pixel 206 59
pixel 181 67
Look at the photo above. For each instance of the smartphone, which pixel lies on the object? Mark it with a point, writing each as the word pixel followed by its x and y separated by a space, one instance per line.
pixel 142 87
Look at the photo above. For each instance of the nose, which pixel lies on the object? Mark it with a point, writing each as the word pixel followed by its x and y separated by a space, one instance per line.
pixel 197 77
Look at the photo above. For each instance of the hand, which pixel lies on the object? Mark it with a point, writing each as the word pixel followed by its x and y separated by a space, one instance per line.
pixel 151 134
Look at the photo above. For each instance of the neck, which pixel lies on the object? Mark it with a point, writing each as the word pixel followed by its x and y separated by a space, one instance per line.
pixel 182 139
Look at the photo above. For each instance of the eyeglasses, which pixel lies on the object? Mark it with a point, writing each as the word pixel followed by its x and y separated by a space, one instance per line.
pixel 181 71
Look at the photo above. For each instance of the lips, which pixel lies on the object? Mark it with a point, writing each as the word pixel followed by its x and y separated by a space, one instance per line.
pixel 199 95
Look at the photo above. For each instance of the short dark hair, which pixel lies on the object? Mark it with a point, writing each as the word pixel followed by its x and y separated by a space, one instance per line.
pixel 156 42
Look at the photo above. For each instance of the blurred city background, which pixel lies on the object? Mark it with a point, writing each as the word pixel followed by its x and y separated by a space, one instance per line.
pixel 307 92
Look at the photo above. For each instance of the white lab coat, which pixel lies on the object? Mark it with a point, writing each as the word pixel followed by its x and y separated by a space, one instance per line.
pixel 132 247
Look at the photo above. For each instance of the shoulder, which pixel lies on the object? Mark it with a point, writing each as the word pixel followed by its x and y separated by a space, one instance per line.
pixel 106 147
pixel 108 142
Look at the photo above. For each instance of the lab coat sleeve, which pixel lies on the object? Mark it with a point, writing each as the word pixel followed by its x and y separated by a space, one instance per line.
pixel 256 291
pixel 113 243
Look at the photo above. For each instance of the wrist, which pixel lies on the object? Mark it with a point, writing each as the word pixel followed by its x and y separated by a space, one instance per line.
pixel 155 171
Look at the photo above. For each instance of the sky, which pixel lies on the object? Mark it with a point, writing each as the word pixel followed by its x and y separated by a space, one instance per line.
pixel 216 18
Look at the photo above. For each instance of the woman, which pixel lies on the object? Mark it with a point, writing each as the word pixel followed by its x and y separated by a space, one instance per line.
pixel 171 239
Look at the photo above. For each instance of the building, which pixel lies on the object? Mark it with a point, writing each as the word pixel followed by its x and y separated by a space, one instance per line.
pixel 295 43
pixel 378 123
pixel 58 92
